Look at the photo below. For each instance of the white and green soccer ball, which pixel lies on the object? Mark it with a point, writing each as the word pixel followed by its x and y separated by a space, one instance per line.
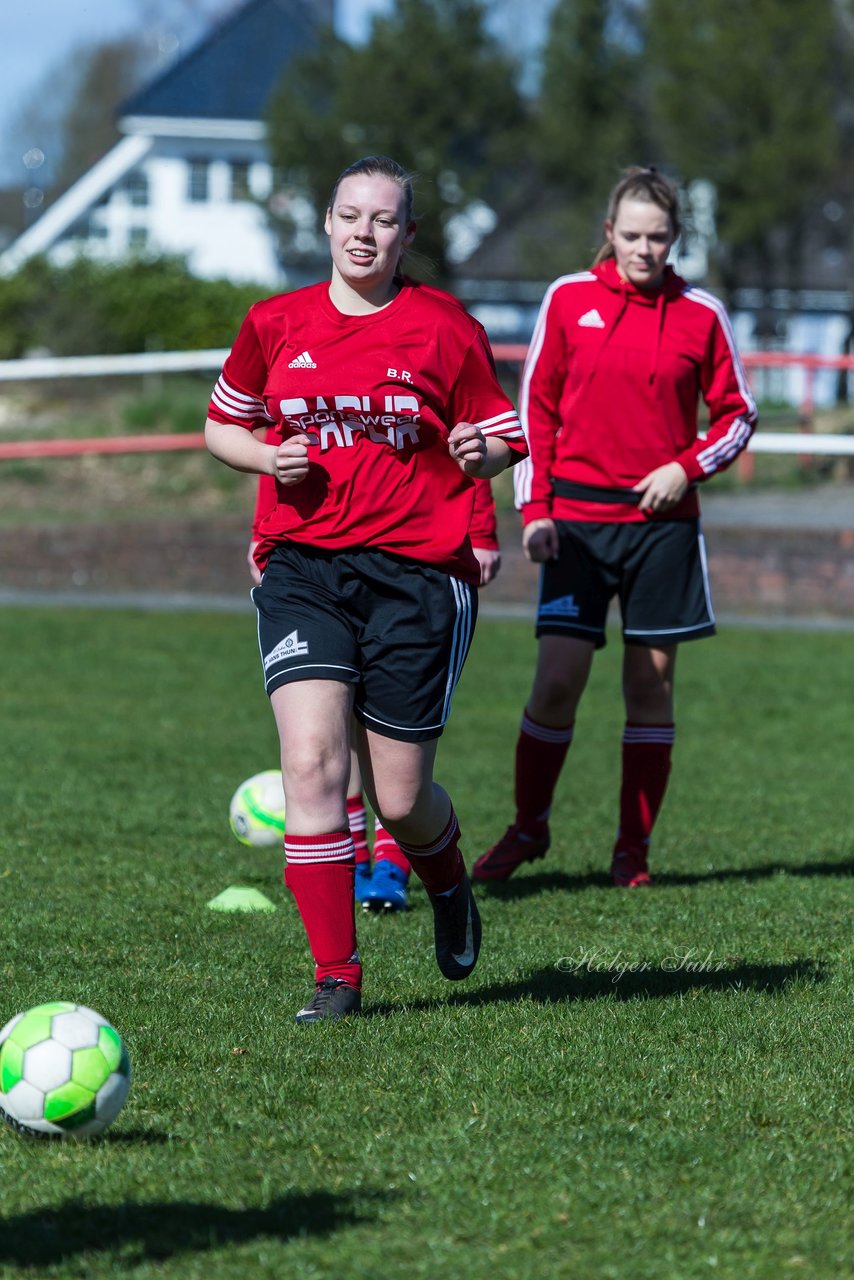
pixel 257 810
pixel 63 1071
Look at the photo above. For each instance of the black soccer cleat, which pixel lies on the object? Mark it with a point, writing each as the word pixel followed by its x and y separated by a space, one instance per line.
pixel 333 999
pixel 456 931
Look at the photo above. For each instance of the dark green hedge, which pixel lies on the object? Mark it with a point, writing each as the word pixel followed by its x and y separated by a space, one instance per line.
pixel 143 304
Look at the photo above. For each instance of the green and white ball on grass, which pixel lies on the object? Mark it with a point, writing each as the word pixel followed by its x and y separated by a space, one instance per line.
pixel 257 810
pixel 64 1071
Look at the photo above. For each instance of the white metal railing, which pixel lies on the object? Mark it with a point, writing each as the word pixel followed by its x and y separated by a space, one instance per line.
pixel 39 368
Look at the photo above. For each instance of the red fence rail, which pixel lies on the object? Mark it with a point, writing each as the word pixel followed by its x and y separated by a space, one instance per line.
pixel 505 353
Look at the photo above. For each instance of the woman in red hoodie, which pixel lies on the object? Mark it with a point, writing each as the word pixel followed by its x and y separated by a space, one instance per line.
pixel 619 358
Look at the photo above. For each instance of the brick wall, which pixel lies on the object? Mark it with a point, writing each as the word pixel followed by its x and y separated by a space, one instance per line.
pixel 755 571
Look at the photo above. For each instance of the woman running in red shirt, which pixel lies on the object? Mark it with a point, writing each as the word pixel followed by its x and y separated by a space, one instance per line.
pixel 388 406
pixel 382 884
pixel 619 358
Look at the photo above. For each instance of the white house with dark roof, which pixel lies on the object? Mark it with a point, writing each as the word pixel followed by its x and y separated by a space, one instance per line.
pixel 191 167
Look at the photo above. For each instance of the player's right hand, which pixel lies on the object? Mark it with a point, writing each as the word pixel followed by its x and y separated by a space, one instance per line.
pixel 540 541
pixel 290 461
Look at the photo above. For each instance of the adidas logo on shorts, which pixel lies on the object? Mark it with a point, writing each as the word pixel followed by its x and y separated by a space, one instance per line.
pixel 562 607
pixel 303 361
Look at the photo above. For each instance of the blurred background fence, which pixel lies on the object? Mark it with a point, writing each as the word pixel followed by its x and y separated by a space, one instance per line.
pixel 763 366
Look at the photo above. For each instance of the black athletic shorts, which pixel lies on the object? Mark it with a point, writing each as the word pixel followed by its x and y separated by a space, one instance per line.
pixel 398 630
pixel 657 571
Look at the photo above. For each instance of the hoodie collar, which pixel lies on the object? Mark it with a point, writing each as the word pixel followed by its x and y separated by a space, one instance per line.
pixel 671 287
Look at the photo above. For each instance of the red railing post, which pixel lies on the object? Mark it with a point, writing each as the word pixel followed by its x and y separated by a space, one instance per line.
pixel 805 417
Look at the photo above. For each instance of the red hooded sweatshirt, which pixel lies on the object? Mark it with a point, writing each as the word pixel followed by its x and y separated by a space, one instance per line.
pixel 610 391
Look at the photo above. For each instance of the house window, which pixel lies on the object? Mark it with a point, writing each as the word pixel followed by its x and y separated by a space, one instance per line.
pixel 198 174
pixel 137 237
pixel 240 180
pixel 81 229
pixel 136 185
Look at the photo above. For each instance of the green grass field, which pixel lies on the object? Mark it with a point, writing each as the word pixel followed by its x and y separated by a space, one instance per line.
pixel 632 1084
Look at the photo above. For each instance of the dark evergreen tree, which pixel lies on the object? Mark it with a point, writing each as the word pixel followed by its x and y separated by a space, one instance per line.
pixel 752 96
pixel 590 122
pixel 431 88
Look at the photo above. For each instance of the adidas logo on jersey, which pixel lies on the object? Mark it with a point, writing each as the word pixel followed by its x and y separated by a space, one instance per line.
pixel 591 320
pixel 290 647
pixel 303 361
pixel 563 607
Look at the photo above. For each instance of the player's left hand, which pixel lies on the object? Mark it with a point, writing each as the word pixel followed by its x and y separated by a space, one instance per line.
pixel 467 446
pixel 490 563
pixel 254 571
pixel 662 489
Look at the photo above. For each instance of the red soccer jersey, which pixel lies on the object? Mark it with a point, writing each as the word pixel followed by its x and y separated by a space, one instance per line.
pixel 483 530
pixel 610 391
pixel 378 395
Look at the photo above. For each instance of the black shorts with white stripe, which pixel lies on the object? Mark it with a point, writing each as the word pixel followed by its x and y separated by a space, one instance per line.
pixel 397 630
pixel 656 569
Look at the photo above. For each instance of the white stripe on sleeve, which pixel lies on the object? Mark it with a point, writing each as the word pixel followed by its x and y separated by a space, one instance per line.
pixel 714 304
pixel 236 404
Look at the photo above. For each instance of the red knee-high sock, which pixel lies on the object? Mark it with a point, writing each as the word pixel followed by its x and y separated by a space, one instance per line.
pixel 540 753
pixel 357 820
pixel 319 871
pixel 647 749
pixel 386 848
pixel 438 865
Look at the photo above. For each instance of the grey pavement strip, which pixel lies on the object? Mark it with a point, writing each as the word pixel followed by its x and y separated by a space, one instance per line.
pixel 174 602
pixel 831 507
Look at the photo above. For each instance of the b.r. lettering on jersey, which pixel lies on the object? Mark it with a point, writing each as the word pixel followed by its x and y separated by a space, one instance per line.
pixel 338 421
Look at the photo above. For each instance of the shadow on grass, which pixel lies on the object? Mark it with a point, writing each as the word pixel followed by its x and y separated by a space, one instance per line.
pixel 137 1138
pixel 112 1138
pixel 761 872
pixel 527 885
pixel 130 1234
pixel 596 976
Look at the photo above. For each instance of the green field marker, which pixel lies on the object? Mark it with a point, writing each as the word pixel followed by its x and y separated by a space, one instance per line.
pixel 239 898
